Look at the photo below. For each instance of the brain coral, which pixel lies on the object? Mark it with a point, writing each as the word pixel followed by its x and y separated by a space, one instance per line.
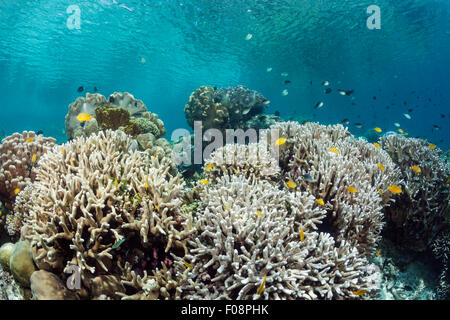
pixel 110 211
pixel 17 153
pixel 249 233
pixel 422 210
pixel 223 108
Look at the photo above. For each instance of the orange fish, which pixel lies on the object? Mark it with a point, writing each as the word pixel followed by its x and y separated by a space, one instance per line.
pixel 378 129
pixel 352 189
pixel 377 145
pixel 416 169
pixel 359 292
pixel 334 150
pixel 187 264
pixel 432 146
pixel 82 117
pixel 320 201
pixel 29 140
pixel 261 286
pixel 16 191
pixel 291 184
pixel 302 235
pixel 280 141
pixel 34 158
pixel 395 189
pixel 378 253
pixel 380 166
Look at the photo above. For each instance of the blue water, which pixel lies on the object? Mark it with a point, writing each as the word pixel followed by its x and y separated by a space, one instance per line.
pixel 188 43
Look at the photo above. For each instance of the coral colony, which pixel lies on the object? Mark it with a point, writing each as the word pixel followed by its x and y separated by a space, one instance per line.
pixel 297 211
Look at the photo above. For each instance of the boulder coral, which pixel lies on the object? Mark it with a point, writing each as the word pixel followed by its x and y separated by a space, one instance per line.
pixel 19 154
pixel 119 110
pixel 224 108
pixel 109 211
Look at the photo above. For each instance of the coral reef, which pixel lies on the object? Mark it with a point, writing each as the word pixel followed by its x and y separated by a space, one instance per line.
pixel 9 289
pixel 120 110
pixel 109 211
pixel 441 251
pixel 344 172
pixel 19 154
pixel 252 161
pixel 422 210
pixel 225 108
pixel 248 234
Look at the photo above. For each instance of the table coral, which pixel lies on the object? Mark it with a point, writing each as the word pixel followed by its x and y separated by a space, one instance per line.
pixel 17 153
pixel 107 210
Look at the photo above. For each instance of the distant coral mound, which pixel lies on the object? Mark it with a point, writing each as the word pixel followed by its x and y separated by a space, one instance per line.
pixel 226 108
pixel 119 111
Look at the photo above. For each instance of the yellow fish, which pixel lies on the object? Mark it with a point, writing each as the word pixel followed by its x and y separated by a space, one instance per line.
pixel 116 184
pixel 248 37
pixel 63 151
pixel 84 117
pixel 187 264
pixel 359 292
pixel 291 184
pixel 378 253
pixel 16 191
pixel 302 235
pixel 378 129
pixel 143 60
pixel 432 146
pixel 1 213
pixel 71 163
pixel 204 181
pixel 334 150
pixel 261 287
pixel 320 201
pixel 380 166
pixel 156 207
pixel 416 169
pixel 380 192
pixel 34 158
pixel 29 140
pixel 377 145
pixel 406 133
pixel 258 212
pixel 395 189
pixel 400 130
pixel 448 181
pixel 280 141
pixel 352 189
pixel 209 166
pixel 227 208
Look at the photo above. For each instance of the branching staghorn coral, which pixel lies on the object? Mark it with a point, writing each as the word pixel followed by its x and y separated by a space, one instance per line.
pixel 422 210
pixel 19 154
pixel 252 161
pixel 350 176
pixel 98 206
pixel 249 233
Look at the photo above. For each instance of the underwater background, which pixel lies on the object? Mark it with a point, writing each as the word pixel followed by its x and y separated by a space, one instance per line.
pixel 315 61
pixel 185 44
